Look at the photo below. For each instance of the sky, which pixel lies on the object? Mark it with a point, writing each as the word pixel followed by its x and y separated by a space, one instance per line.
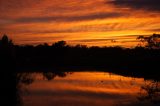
pixel 88 22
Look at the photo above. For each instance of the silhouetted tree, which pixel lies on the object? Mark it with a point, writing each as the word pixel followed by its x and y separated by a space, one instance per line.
pixel 5 42
pixel 8 79
pixel 6 47
pixel 152 41
pixel 60 44
pixel 81 46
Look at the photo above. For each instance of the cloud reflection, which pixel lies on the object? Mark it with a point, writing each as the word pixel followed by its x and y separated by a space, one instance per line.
pixel 83 88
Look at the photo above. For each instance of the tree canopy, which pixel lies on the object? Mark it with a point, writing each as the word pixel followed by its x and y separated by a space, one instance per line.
pixel 152 41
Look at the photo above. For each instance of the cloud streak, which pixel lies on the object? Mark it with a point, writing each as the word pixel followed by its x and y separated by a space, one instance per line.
pixel 78 19
pixel 69 18
pixel 152 5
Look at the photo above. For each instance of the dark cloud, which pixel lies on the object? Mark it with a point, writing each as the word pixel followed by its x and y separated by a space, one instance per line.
pixel 69 18
pixel 93 40
pixel 154 30
pixel 10 5
pixel 152 5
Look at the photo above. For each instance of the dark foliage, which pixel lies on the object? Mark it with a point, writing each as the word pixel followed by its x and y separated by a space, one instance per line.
pixel 152 41
pixel 136 62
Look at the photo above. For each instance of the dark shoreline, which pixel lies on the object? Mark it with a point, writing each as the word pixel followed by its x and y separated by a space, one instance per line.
pixel 147 75
pixel 139 62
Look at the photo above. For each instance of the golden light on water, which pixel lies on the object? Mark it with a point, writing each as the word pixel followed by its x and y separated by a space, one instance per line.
pixel 84 88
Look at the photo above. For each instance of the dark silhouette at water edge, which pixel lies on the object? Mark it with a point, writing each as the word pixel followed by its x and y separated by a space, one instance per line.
pixel 142 60
pixel 8 80
pixel 60 57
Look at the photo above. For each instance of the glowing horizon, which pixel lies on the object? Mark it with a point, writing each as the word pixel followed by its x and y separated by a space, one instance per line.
pixel 93 23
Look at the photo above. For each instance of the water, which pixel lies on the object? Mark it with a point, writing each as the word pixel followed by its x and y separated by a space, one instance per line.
pixel 85 89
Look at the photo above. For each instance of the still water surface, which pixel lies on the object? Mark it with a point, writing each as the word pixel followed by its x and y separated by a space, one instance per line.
pixel 85 89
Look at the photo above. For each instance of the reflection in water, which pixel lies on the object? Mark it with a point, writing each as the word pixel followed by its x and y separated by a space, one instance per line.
pixel 85 89
pixel 52 75
pixel 25 79
pixel 150 91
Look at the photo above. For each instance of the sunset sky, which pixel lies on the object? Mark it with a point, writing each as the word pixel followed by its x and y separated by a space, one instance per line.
pixel 90 22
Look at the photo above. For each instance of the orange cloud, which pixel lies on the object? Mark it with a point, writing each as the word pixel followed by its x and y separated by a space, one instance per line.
pixel 53 20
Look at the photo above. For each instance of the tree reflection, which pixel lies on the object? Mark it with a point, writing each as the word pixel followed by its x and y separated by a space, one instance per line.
pixel 25 78
pixel 29 78
pixel 52 75
pixel 150 92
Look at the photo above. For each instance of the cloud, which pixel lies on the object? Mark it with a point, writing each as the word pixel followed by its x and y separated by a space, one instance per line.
pixel 69 18
pixel 78 19
pixel 154 30
pixel 94 40
pixel 152 5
